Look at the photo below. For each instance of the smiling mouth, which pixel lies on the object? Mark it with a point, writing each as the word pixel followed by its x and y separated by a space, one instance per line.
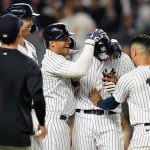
pixel 67 46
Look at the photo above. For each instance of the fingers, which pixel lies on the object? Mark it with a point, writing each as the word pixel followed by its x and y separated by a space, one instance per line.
pixel 42 132
pixel 107 79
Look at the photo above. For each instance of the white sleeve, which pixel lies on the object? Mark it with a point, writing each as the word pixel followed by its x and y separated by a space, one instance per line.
pixel 122 89
pixel 82 65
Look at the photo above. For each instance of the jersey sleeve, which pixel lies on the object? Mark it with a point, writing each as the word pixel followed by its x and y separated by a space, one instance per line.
pixel 122 89
pixel 59 65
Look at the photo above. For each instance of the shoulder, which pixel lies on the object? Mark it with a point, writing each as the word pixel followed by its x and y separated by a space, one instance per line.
pixel 125 57
pixel 28 43
pixel 130 75
pixel 126 60
pixel 52 59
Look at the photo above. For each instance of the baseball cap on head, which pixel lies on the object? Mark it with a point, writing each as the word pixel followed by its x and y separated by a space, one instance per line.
pixel 21 10
pixel 9 26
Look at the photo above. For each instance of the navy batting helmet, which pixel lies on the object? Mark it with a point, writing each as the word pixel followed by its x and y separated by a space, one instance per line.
pixel 110 48
pixel 23 10
pixel 58 31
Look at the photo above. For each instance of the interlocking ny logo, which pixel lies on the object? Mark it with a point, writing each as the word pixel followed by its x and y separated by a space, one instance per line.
pixel 148 81
pixel 103 49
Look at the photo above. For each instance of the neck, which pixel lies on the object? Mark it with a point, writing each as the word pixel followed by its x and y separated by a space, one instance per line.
pixel 10 46
pixel 21 42
pixel 144 62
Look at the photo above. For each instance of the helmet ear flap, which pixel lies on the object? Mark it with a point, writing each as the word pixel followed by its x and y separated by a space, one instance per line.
pixel 34 28
pixel 72 44
pixel 116 48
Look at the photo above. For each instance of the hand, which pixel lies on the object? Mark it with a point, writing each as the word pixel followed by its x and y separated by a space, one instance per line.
pixel 109 87
pixel 110 77
pixel 96 36
pixel 42 132
pixel 94 96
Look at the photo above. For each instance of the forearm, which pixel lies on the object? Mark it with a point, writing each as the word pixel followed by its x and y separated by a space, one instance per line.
pixel 81 66
pixel 39 106
pixel 108 103
pixel 126 130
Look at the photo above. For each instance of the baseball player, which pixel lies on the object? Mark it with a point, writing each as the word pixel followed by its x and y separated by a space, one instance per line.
pixel 95 128
pixel 136 86
pixel 57 73
pixel 25 12
pixel 20 82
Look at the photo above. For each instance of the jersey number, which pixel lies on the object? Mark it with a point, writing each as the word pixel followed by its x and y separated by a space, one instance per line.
pixel 148 81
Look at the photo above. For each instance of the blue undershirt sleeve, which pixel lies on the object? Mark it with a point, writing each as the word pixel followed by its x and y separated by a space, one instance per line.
pixel 108 103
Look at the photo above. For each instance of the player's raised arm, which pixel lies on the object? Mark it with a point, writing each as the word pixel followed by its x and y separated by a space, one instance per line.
pixel 86 57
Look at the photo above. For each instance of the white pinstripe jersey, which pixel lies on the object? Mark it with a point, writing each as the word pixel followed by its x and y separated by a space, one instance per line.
pixel 121 65
pixel 57 86
pixel 136 86
pixel 30 51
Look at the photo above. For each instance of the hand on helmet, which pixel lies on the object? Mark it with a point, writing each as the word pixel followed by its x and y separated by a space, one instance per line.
pixel 96 36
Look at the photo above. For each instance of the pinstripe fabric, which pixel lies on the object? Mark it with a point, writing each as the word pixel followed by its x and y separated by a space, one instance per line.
pixel 141 138
pixel 103 132
pixel 29 50
pixel 59 99
pixel 134 85
pixel 58 90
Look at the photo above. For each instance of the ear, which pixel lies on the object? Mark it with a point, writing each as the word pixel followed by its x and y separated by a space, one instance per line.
pixel 133 51
pixel 51 43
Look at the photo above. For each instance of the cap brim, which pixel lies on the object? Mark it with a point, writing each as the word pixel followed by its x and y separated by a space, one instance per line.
pixel 71 33
pixel 35 14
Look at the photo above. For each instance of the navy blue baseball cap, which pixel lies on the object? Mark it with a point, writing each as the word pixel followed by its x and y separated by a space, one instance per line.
pixel 9 26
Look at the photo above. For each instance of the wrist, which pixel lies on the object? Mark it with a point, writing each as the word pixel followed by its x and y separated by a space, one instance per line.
pixel 90 41
pixel 98 103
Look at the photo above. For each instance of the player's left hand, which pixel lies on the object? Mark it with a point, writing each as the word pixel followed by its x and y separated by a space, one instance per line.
pixel 94 96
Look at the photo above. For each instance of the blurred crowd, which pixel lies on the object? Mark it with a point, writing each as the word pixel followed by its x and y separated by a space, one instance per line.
pixel 121 19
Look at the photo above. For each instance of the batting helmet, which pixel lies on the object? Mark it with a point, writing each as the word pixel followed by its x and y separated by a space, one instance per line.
pixel 58 31
pixel 23 10
pixel 110 48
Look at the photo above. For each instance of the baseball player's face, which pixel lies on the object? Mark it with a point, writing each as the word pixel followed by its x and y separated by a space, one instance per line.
pixel 61 47
pixel 26 28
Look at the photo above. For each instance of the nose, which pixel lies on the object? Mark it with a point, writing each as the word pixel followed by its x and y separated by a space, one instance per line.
pixel 69 40
pixel 31 22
